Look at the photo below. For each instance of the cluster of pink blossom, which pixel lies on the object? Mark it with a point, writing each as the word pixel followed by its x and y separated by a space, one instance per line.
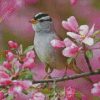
pixel 16 63
pixel 13 66
pixel 80 35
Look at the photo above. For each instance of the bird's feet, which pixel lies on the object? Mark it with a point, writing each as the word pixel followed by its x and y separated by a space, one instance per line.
pixel 48 71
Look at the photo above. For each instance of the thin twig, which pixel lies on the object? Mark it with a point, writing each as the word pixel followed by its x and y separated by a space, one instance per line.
pixel 72 77
pixel 87 59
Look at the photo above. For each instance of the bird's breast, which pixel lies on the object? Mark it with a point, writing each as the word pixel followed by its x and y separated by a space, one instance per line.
pixel 46 53
pixel 42 46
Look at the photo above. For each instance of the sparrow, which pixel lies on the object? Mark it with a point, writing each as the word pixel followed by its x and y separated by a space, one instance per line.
pixel 43 26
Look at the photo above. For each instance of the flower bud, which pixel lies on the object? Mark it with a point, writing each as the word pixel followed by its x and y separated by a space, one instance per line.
pixel 10 56
pixel 12 45
pixel 1 95
pixel 7 65
pixel 30 54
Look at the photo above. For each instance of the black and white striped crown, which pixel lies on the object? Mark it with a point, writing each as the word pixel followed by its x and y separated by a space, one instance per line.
pixel 42 17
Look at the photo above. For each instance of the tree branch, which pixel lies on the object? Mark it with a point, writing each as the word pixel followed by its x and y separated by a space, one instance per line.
pixel 72 77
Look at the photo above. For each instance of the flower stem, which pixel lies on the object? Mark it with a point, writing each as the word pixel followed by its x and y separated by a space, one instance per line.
pixel 87 59
pixel 88 63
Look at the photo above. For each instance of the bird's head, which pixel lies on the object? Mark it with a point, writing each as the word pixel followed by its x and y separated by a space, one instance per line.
pixel 41 22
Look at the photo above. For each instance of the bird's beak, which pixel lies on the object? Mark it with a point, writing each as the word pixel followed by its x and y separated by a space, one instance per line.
pixel 33 21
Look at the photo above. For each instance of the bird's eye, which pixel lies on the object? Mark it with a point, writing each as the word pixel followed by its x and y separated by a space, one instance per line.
pixel 41 20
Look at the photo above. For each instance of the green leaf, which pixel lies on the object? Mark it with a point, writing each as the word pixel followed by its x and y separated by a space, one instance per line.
pixel 10 97
pixel 26 74
pixel 89 54
pixel 96 40
pixel 29 48
pixel 69 60
pixel 1 59
pixel 78 95
pixel 46 91
pixel 96 32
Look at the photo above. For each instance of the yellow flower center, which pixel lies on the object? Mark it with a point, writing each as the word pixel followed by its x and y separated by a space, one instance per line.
pixel 83 36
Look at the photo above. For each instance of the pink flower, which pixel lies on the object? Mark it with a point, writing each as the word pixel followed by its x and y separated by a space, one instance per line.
pixel 70 93
pixel 4 75
pixel 12 45
pixel 81 34
pixel 38 96
pixel 19 86
pixel 71 24
pixel 28 63
pixel 57 43
pixel 1 95
pixel 7 65
pixel 73 2
pixel 96 89
pixel 30 54
pixel 4 79
pixel 15 89
pixel 9 56
pixel 24 84
pixel 71 49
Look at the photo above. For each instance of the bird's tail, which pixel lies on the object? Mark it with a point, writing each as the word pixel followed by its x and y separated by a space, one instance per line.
pixel 79 71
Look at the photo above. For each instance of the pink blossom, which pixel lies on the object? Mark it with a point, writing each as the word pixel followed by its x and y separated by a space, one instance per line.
pixel 57 43
pixel 4 79
pixel 28 63
pixel 9 56
pixel 1 95
pixel 81 34
pixel 30 54
pixel 71 49
pixel 19 86
pixel 38 96
pixel 15 89
pixel 96 89
pixel 12 44
pixel 73 2
pixel 24 84
pixel 71 24
pixel 4 75
pixel 7 65
pixel 70 93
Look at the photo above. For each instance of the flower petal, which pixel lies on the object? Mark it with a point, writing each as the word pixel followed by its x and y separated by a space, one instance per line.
pixel 68 52
pixel 57 43
pixel 83 29
pixel 71 24
pixel 67 42
pixel 74 35
pixel 89 41
pixel 91 30
pixel 66 25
